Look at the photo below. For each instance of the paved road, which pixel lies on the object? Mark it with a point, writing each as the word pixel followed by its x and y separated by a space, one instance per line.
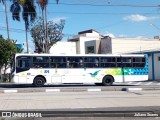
pixel 84 104
pixel 143 83
pixel 154 85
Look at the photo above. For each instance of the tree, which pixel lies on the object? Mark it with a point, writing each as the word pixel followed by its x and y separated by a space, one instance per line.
pixel 43 4
pixel 18 49
pixel 7 51
pixel 54 33
pixel 28 14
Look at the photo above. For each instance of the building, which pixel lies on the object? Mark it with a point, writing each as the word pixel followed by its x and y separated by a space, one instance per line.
pixel 92 42
pixel 63 48
pixel 153 64
pixel 83 37
pixel 132 45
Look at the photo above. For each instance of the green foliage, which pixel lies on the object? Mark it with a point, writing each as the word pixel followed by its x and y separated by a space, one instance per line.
pixel 54 34
pixel 29 11
pixel 19 50
pixel 7 51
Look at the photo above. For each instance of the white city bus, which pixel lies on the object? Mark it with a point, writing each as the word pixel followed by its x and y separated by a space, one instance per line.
pixel 40 69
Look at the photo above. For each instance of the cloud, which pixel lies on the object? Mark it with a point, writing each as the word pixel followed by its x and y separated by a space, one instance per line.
pixel 58 19
pixel 139 18
pixel 122 36
pixel 110 35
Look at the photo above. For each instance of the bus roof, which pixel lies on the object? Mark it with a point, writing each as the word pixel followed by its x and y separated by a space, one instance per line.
pixel 78 55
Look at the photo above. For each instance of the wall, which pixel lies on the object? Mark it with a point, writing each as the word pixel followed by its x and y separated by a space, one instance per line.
pixel 82 43
pixel 106 46
pixel 157 66
pixel 128 45
pixel 63 48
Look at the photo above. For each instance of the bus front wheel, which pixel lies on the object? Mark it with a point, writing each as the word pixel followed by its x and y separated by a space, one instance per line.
pixel 39 81
pixel 107 80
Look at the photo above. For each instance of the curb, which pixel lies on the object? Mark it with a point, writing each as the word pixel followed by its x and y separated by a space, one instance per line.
pixel 75 90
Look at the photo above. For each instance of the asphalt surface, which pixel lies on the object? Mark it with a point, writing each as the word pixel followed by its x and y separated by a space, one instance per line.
pixel 109 113
pixel 149 85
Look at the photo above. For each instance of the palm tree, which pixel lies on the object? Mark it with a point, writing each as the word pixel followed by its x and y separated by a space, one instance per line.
pixel 43 4
pixel 4 2
pixel 28 14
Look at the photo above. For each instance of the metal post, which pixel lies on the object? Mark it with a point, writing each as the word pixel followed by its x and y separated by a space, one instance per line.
pixel 7 20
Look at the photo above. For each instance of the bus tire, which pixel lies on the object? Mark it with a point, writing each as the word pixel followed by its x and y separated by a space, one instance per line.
pixel 107 80
pixel 39 81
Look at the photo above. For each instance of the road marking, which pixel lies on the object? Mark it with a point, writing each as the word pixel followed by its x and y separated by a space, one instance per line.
pixel 148 83
pixel 134 89
pixel 10 91
pixel 158 84
pixel 52 90
pixel 94 90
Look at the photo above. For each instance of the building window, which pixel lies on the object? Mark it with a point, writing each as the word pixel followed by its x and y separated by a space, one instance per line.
pixel 158 58
pixel 90 49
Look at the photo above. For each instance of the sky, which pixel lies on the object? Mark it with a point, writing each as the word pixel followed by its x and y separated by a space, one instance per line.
pixel 117 18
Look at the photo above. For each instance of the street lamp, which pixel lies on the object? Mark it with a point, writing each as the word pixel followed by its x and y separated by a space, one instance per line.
pixel 153 25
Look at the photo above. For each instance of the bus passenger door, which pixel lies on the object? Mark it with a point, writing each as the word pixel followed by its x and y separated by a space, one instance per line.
pixel 126 69
pixel 22 67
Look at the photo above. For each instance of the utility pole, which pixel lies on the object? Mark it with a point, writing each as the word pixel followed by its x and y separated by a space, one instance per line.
pixel 46 35
pixel 7 19
pixel 26 37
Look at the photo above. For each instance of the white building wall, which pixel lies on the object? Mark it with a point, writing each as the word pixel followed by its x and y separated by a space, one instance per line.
pixel 63 48
pixel 157 66
pixel 128 45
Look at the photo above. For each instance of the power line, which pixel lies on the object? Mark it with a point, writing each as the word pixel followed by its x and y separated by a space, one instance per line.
pixel 22 30
pixel 102 5
pixel 95 13
pixel 107 5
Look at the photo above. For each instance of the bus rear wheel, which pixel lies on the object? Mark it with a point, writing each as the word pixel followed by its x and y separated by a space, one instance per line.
pixel 39 81
pixel 107 80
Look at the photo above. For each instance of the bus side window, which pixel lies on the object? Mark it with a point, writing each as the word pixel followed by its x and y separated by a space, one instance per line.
pixel 139 62
pixel 126 62
pixel 23 63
